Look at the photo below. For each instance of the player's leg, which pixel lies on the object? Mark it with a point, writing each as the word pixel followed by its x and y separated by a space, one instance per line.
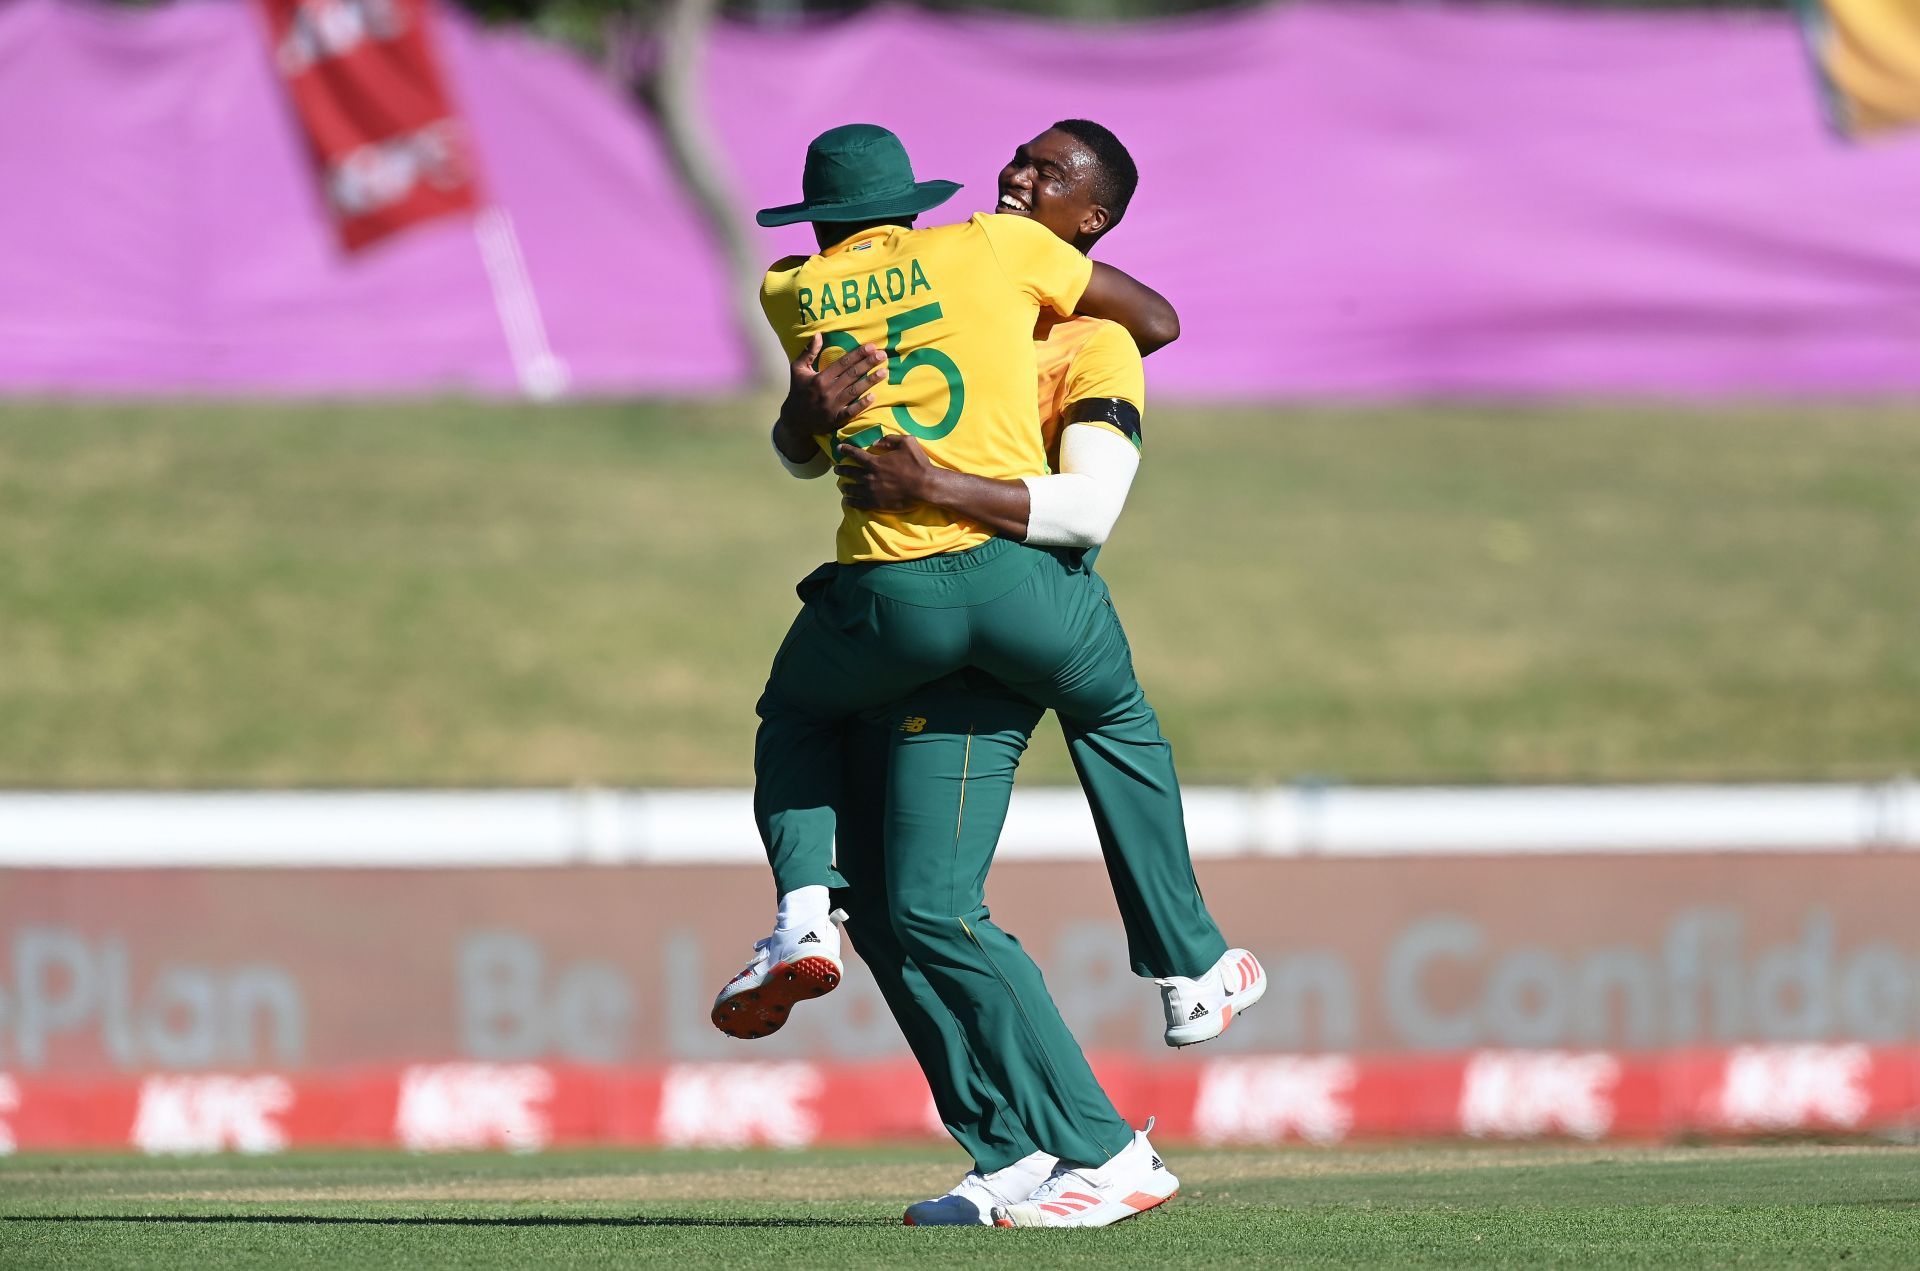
pixel 950 776
pixel 949 782
pixel 867 634
pixel 1007 1166
pixel 815 686
pixel 968 1105
pixel 1126 767
pixel 849 649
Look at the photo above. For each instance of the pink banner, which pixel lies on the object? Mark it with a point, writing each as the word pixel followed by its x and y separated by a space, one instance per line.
pixel 164 232
pixel 1344 200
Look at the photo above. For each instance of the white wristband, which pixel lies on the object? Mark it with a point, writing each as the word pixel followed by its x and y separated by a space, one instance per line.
pixel 818 466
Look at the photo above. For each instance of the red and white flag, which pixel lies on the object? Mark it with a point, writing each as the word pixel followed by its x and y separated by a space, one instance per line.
pixel 390 149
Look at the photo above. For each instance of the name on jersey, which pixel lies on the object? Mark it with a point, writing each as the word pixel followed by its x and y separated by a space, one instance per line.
pixel 851 295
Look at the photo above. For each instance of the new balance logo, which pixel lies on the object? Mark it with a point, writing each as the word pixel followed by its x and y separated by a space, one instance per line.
pixel 914 724
pixel 812 937
pixel 1199 1010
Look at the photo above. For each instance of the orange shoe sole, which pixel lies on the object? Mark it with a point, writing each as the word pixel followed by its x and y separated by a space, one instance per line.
pixel 1153 1202
pixel 759 1012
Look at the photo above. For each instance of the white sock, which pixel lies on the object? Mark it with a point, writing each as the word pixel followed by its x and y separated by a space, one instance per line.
pixel 801 908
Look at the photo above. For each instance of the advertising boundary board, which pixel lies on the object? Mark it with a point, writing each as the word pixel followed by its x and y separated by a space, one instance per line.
pixel 262 971
pixel 124 972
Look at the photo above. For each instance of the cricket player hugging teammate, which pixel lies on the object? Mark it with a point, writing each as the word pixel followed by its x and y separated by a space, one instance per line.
pixel 961 605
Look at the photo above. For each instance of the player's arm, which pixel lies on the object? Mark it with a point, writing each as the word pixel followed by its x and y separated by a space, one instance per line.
pixel 1057 275
pixel 894 474
pixel 1076 507
pixel 818 402
pixel 1119 297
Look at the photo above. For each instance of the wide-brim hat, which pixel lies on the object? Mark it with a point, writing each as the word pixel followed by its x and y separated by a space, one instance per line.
pixel 858 172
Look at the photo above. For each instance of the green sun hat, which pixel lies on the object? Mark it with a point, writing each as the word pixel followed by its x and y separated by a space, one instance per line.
pixel 858 172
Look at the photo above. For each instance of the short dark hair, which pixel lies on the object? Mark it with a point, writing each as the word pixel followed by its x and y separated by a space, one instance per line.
pixel 1117 177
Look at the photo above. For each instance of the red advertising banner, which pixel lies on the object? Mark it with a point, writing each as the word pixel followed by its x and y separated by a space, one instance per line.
pixel 390 150
pixel 1249 1099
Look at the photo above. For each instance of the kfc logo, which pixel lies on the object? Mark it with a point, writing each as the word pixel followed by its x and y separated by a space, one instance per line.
pixel 1266 1100
pixel 447 1107
pixel 738 1105
pixel 1794 1087
pixel 1523 1094
pixel 382 173
pixel 181 1115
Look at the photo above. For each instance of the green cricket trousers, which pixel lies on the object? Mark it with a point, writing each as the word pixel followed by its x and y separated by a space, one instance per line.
pixel 1005 1071
pixel 869 634
pixel 968 751
pixel 1042 623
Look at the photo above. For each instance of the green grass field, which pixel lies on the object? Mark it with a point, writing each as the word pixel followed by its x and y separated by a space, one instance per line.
pixel 1434 1206
pixel 452 593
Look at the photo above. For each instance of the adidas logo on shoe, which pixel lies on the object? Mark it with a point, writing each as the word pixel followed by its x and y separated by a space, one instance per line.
pixel 1158 1163
pixel 1199 1009
pixel 812 937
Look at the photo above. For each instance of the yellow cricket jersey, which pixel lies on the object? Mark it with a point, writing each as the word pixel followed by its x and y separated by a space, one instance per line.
pixel 955 308
pixel 1079 359
pixel 1869 53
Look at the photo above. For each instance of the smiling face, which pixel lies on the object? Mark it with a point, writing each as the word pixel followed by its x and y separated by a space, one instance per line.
pixel 1051 179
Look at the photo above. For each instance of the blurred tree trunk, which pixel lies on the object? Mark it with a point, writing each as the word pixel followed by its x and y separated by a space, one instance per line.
pixel 655 50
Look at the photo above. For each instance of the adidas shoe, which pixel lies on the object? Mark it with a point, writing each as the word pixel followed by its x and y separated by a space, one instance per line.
pixel 787 967
pixel 1200 1010
pixel 971 1202
pixel 1131 1183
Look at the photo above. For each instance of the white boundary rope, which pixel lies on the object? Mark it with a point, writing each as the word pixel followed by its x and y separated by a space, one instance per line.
pixel 106 829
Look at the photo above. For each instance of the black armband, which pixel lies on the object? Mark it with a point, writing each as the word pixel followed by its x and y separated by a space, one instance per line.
pixel 1117 412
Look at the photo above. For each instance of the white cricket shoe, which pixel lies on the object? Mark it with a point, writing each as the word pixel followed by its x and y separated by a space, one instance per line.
pixel 787 967
pixel 971 1202
pixel 1200 1010
pixel 1131 1183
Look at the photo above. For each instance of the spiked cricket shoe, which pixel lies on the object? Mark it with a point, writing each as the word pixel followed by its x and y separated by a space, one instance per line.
pixel 787 967
pixel 1131 1183
pixel 1200 1010
pixel 971 1202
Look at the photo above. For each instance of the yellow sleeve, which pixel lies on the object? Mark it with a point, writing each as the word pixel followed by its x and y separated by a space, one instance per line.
pixel 1105 385
pixel 1108 365
pixel 1869 53
pixel 1051 271
pixel 780 303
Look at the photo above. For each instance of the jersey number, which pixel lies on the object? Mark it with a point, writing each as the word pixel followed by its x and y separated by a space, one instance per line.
pixel 899 365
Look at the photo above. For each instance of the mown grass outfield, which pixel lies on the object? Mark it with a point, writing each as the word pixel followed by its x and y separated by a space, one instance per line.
pixel 452 593
pixel 1749 1206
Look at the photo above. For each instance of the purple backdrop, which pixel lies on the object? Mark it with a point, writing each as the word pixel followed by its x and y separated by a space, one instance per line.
pixel 1343 201
pixel 163 229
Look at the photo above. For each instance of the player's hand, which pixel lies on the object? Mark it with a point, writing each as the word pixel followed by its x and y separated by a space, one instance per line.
pixel 891 475
pixel 820 401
